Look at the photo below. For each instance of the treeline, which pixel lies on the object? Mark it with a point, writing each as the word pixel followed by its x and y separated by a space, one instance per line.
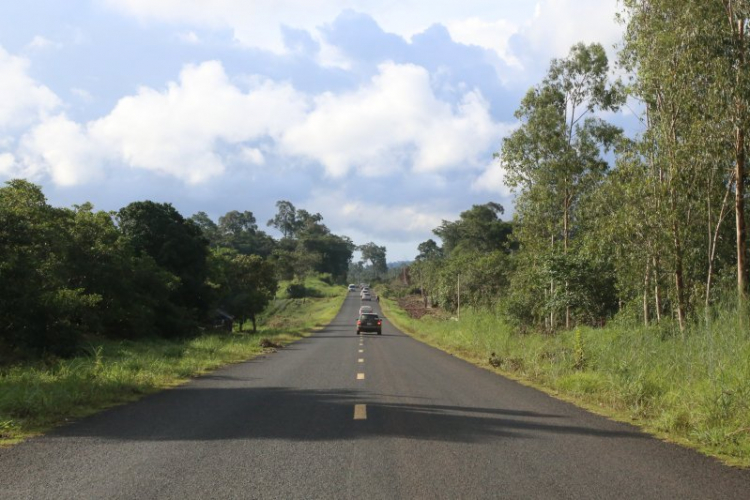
pixel 474 260
pixel 68 274
pixel 650 226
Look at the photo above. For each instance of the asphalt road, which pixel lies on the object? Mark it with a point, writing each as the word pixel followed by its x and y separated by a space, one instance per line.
pixel 303 423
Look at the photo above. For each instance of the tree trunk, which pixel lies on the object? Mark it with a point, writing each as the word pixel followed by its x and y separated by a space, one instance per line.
pixel 645 293
pixel 657 291
pixel 255 327
pixel 714 240
pixel 679 279
pixel 739 209
pixel 552 292
pixel 566 222
pixel 738 27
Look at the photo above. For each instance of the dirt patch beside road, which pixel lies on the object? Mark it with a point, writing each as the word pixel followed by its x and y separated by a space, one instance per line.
pixel 414 306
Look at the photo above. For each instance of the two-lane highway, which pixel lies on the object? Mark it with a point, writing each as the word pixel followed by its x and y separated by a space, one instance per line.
pixel 344 416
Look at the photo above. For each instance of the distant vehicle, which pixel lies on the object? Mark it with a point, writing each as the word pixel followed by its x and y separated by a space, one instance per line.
pixel 352 288
pixel 366 296
pixel 365 309
pixel 369 322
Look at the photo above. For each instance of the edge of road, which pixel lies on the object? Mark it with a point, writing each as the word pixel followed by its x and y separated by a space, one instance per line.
pixel 63 418
pixel 614 415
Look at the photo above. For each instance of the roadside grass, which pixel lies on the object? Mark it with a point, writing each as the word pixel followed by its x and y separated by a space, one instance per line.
pixel 693 390
pixel 36 397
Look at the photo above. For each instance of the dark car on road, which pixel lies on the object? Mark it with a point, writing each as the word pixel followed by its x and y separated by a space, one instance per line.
pixel 369 322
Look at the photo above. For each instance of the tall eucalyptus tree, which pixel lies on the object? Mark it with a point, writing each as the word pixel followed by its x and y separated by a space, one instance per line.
pixel 555 156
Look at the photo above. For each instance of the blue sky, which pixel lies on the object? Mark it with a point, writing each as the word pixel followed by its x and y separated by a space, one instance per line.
pixel 382 115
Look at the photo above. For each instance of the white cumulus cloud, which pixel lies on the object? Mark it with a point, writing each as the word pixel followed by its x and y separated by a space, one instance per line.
pixel 196 125
pixel 23 101
pixel 550 26
pixel 178 131
pixel 393 121
pixel 61 148
pixel 253 156
pixel 388 219
pixel 559 24
pixel 492 180
pixel 255 23
pixel 7 164
pixel 491 35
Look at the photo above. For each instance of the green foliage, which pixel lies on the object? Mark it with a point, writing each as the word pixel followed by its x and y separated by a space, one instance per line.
pixel 472 267
pixel 296 291
pixel 429 250
pixel 285 219
pixel 177 245
pixel 313 286
pixel 308 246
pixel 554 161
pixel 70 275
pixel 245 283
pixel 479 229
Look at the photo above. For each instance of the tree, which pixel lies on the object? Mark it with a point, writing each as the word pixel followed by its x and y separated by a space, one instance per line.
pixel 175 244
pixel 30 246
pixel 375 256
pixel 555 157
pixel 209 228
pixel 307 224
pixel 234 224
pixel 285 219
pixel 46 304
pixel 479 228
pixel 690 58
pixel 252 285
pixel 429 250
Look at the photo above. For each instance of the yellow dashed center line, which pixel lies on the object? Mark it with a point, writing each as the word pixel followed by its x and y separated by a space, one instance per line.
pixel 361 351
pixel 360 412
pixel 360 376
pixel 361 360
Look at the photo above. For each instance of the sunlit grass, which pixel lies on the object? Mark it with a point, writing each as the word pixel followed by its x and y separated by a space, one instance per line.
pixel 694 390
pixel 35 398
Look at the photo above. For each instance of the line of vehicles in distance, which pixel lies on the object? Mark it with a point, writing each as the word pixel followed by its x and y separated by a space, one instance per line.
pixel 368 321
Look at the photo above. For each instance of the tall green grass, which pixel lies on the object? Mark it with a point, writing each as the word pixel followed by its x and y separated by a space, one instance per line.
pixel 692 388
pixel 35 397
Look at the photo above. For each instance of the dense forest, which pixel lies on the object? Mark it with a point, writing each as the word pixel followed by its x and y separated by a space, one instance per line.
pixel 72 274
pixel 648 225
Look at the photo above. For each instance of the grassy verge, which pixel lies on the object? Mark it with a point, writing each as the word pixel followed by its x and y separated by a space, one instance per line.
pixel 36 398
pixel 693 390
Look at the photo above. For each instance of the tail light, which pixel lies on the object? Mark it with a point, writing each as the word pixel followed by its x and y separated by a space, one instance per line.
pixel 359 322
pixel 380 322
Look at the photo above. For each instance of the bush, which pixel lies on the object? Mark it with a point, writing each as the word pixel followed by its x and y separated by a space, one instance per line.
pixel 296 290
